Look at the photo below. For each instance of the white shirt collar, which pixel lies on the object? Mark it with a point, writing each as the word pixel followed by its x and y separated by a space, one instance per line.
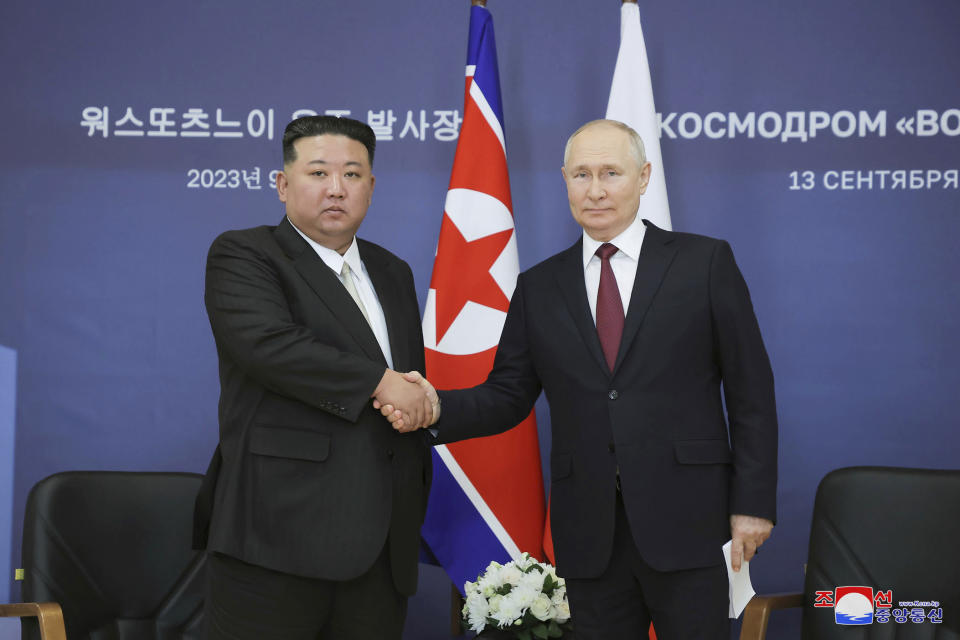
pixel 330 257
pixel 628 242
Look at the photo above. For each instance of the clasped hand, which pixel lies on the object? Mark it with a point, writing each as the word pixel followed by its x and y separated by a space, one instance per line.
pixel 407 400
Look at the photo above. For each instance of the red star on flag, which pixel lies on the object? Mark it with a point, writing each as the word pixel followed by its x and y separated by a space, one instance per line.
pixel 461 273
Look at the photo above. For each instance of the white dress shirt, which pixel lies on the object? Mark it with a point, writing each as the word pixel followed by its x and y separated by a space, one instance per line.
pixel 623 263
pixel 363 284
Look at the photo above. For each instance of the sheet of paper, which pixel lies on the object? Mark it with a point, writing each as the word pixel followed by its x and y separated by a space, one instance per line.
pixel 741 590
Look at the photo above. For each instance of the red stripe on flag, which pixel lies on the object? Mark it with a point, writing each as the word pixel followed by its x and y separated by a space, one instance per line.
pixel 516 493
pixel 513 485
pixel 480 163
pixel 548 537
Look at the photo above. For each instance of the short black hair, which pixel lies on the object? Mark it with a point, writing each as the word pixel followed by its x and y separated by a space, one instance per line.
pixel 309 126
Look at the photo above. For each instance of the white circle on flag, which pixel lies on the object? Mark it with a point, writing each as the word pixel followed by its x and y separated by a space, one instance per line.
pixel 476 328
pixel 477 214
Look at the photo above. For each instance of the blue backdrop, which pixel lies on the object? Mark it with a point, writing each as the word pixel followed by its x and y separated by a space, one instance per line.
pixel 847 238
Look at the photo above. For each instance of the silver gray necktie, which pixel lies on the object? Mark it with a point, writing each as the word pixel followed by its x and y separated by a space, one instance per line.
pixel 347 274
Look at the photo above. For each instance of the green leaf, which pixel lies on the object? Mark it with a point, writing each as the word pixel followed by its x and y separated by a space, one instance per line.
pixel 540 631
pixel 554 630
pixel 524 634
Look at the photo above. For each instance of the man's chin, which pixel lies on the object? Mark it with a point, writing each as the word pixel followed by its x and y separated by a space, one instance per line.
pixel 336 224
pixel 602 232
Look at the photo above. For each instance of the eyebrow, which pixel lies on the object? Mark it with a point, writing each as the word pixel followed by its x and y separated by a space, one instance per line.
pixel 608 165
pixel 347 164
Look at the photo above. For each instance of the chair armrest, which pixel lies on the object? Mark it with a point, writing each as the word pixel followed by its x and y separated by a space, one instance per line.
pixel 48 614
pixel 757 614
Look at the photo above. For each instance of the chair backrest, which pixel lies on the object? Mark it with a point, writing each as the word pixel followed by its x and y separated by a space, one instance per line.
pixel 886 528
pixel 114 549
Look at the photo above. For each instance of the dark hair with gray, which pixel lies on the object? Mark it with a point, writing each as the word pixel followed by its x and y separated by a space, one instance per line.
pixel 636 143
pixel 309 126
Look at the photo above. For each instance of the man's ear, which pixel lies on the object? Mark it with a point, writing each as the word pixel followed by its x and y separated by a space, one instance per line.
pixel 282 186
pixel 645 177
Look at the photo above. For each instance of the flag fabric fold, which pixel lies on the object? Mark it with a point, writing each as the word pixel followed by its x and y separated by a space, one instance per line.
pixel 631 102
pixel 486 502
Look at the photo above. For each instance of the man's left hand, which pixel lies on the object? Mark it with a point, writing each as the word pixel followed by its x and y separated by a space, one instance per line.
pixel 748 533
pixel 401 422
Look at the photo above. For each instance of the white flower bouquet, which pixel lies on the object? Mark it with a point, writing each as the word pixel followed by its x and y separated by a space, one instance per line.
pixel 524 599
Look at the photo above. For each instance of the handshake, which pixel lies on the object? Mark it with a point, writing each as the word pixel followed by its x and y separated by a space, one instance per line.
pixel 406 400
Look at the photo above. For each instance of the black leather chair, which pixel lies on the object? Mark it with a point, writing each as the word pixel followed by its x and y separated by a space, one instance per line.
pixel 113 549
pixel 887 528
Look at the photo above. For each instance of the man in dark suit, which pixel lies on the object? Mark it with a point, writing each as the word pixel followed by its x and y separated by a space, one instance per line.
pixel 318 502
pixel 649 478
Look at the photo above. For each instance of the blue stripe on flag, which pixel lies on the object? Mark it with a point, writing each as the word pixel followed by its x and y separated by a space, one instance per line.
pixel 482 52
pixel 467 554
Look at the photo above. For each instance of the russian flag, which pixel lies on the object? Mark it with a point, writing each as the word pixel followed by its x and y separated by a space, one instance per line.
pixel 487 499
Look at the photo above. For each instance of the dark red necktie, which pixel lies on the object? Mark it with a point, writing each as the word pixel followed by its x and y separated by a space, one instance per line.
pixel 609 306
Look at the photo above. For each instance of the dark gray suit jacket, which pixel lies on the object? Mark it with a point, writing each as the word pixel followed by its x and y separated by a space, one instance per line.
pixel 684 465
pixel 312 478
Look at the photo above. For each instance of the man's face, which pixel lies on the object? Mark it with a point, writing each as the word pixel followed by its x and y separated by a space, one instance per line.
pixel 327 189
pixel 604 183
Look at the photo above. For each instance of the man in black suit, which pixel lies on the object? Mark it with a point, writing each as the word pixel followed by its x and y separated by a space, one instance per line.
pixel 318 502
pixel 649 478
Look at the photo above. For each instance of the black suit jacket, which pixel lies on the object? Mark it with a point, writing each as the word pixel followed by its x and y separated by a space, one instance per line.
pixel 659 416
pixel 312 478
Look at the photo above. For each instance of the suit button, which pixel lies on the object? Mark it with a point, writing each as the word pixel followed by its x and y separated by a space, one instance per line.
pixel 341 410
pixel 390 453
pixel 613 395
pixel 611 447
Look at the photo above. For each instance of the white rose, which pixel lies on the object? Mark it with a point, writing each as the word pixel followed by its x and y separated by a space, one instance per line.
pixel 510 574
pixel 541 607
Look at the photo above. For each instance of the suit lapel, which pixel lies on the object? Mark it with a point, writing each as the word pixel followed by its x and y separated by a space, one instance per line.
pixel 329 289
pixel 388 292
pixel 656 254
pixel 574 290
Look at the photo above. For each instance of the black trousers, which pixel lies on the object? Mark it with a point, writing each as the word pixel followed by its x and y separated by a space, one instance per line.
pixel 247 602
pixel 684 605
